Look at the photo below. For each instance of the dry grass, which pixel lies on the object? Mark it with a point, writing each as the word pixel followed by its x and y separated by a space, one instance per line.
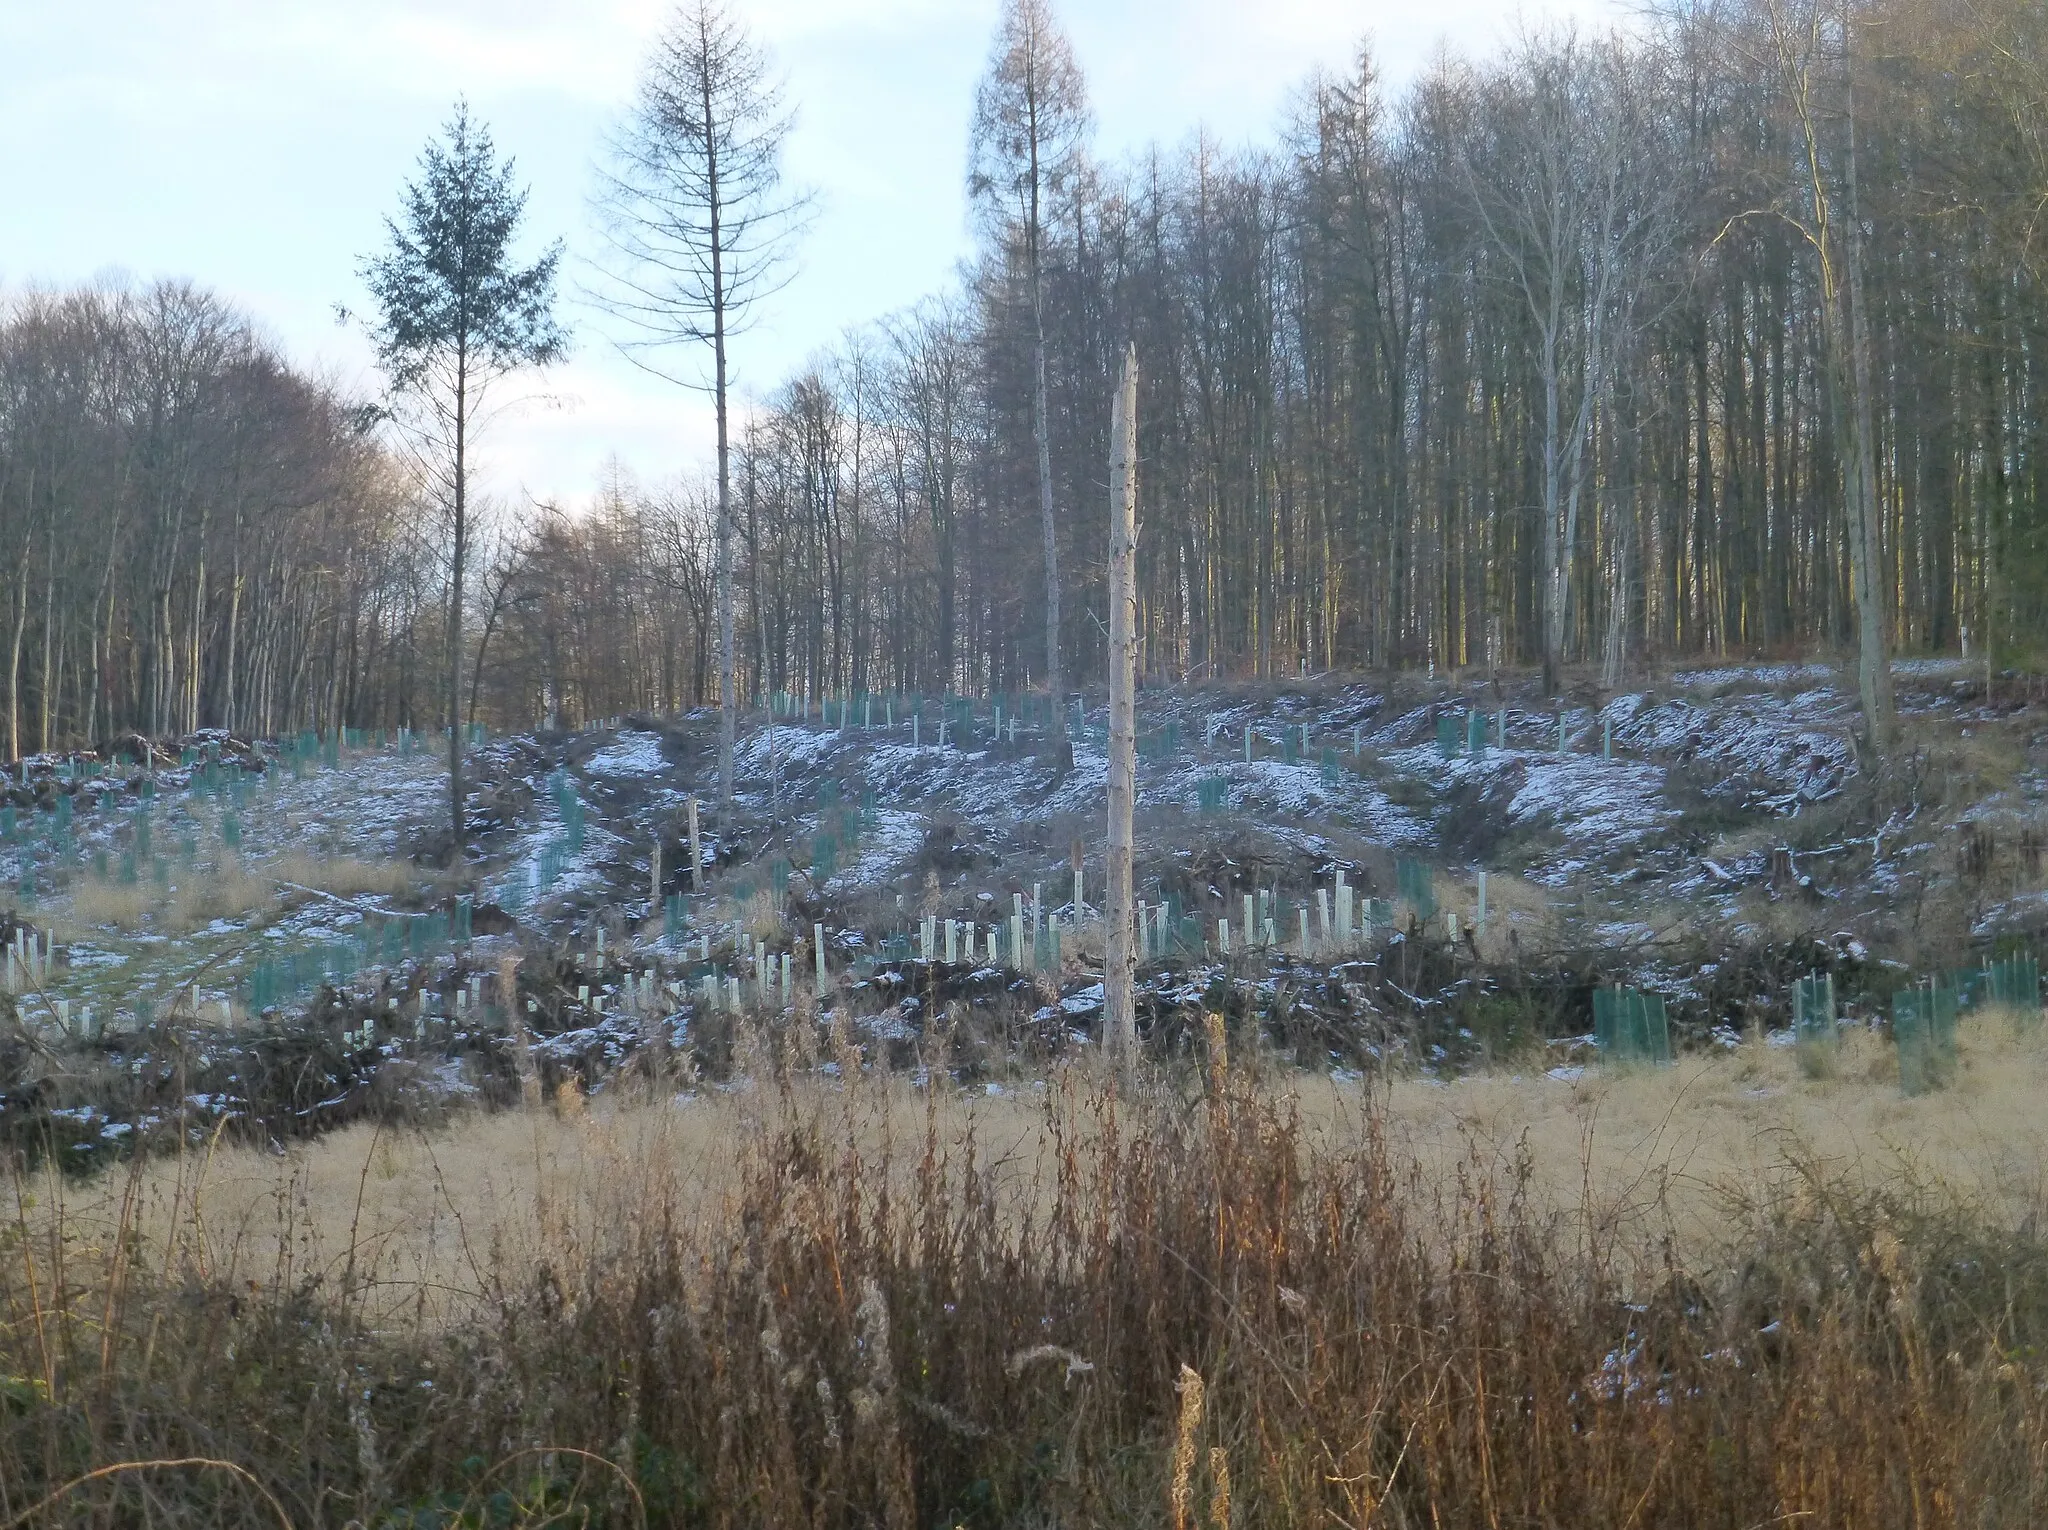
pixel 1512 903
pixel 1645 1299
pixel 1696 1153
pixel 1704 1150
pixel 408 1212
pixel 96 905
pixel 228 890
pixel 1966 765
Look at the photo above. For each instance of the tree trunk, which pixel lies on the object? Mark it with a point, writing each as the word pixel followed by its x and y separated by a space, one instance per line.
pixel 1553 555
pixel 49 640
pixel 14 650
pixel 233 718
pixel 460 549
pixel 1119 1018
pixel 727 680
pixel 195 682
pixel 1042 430
pixel 1866 541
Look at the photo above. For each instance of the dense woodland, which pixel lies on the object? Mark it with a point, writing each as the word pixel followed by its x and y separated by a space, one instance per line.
pixel 1552 355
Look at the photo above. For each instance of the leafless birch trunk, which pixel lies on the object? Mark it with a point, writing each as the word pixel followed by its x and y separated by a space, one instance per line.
pixel 1119 1018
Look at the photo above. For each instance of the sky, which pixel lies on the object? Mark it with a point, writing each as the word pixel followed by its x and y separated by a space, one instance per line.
pixel 255 146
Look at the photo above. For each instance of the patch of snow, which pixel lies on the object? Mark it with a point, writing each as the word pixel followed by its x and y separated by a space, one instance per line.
pixel 1084 1002
pixel 636 755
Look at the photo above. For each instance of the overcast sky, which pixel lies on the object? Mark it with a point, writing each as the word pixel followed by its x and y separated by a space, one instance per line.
pixel 254 146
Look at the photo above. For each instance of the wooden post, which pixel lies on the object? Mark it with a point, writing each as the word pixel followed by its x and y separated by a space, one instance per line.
pixel 1120 1027
pixel 654 878
pixel 696 852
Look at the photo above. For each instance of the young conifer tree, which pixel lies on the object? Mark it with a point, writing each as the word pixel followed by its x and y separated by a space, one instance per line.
pixel 455 313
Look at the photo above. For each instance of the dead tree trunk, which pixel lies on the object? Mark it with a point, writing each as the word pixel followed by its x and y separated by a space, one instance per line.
pixel 1119 1018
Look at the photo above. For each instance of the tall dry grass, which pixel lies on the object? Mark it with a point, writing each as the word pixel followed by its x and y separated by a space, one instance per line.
pixel 1210 1298
pixel 230 889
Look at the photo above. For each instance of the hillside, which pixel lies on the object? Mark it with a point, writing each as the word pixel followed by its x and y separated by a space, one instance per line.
pixel 1709 840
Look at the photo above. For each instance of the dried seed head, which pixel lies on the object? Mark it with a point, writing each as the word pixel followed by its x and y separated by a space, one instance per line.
pixel 1219 1488
pixel 1179 1498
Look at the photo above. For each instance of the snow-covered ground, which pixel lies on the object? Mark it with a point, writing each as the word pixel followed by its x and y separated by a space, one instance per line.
pixel 1340 776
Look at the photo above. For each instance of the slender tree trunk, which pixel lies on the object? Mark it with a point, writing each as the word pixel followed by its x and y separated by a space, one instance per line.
pixel 57 680
pixel 103 647
pixel 1120 956
pixel 233 717
pixel 92 702
pixel 727 666
pixel 1866 540
pixel 459 551
pixel 49 639
pixel 195 682
pixel 14 649
pixel 1042 430
pixel 1553 572
pixel 166 664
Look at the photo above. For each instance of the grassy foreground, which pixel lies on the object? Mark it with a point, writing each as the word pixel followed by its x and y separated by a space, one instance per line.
pixel 1217 1297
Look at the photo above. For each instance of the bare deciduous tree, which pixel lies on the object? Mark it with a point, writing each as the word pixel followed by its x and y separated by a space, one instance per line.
pixel 1031 124
pixel 1564 179
pixel 1812 45
pixel 699 227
